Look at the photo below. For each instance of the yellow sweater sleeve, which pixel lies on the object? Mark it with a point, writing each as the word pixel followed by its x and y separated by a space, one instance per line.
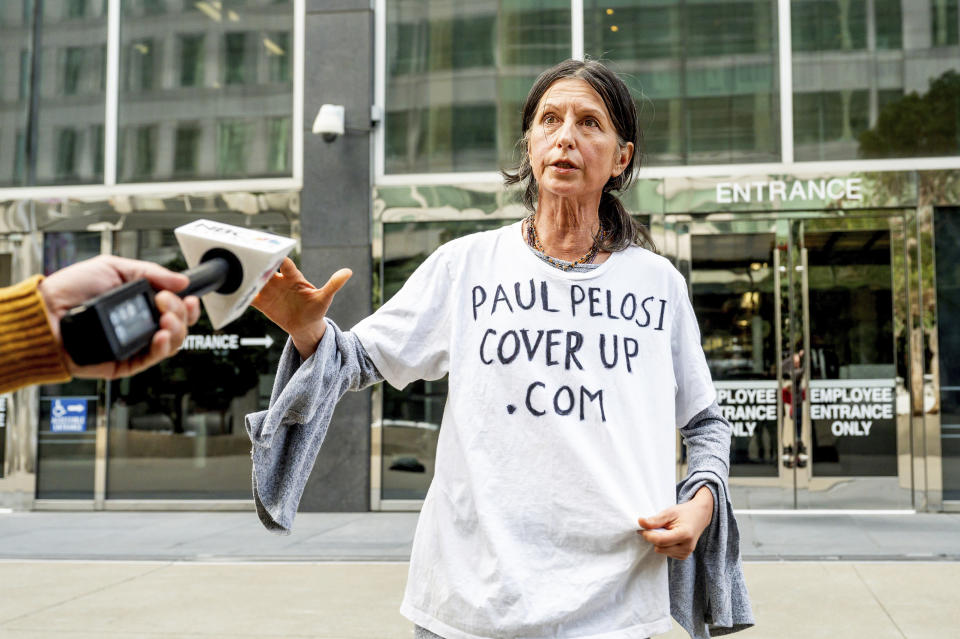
pixel 29 354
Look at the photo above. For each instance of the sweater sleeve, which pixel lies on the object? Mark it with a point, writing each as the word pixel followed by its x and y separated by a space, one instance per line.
pixel 29 353
pixel 287 436
pixel 708 594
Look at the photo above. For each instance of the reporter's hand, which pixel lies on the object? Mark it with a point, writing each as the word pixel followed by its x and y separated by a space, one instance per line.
pixel 681 525
pixel 82 281
pixel 297 306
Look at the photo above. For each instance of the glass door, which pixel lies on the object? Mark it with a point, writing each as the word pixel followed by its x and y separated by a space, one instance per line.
pixel 849 363
pixel 799 318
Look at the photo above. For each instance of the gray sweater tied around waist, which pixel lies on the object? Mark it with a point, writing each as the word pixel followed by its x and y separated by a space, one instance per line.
pixel 708 595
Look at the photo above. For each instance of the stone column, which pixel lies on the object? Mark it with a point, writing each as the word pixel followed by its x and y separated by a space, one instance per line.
pixel 335 224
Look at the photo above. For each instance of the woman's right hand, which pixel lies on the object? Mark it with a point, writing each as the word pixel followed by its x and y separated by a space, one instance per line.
pixel 297 306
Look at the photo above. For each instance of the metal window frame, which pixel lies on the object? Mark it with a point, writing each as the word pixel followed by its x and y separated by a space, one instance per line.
pixel 702 170
pixel 576 29
pixel 109 185
pixel 785 57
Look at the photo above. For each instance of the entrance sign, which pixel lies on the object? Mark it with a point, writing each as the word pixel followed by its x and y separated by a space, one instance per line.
pixel 798 190
pixel 68 414
pixel 851 407
pixel 747 405
pixel 853 427
pixel 223 342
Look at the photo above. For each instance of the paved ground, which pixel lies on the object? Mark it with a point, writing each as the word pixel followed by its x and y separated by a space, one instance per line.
pixel 205 536
pixel 341 576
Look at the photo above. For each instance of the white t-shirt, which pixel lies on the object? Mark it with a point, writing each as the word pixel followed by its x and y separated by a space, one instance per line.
pixel 565 390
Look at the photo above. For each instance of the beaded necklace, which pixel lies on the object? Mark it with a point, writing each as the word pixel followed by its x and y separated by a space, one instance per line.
pixel 534 241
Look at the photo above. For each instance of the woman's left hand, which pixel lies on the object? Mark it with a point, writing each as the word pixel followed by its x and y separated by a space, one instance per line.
pixel 674 531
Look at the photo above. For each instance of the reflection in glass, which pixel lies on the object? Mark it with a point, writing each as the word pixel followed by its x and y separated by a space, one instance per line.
pixel 65 455
pixel 946 231
pixel 187 146
pixel 851 339
pixel 875 79
pixel 203 85
pixel 732 286
pixel 457 74
pixel 411 417
pixel 703 75
pixel 67 77
pixel 176 431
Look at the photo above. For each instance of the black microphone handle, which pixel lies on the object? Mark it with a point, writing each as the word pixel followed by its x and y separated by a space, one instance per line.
pixel 206 276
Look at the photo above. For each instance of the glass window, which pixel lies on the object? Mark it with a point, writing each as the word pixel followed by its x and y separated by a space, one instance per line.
pixel 13 106
pixel 67 155
pixel 71 68
pixel 142 58
pixel 207 66
pixel 238 66
pixel 411 417
pixel 944 22
pixel 457 74
pixel 826 25
pixel 889 21
pixel 233 143
pixel 277 46
pixel 703 75
pixel 145 151
pixel 946 229
pixel 176 430
pixel 66 438
pixel 76 8
pixel 875 79
pixel 187 147
pixel 279 134
pixel 191 60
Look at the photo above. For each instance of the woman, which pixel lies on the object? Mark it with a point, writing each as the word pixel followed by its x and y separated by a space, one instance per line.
pixel 572 352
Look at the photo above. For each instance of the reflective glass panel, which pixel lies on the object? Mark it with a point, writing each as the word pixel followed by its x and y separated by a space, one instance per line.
pixel 58 140
pixel 732 288
pixel 703 73
pixel 202 87
pixel 875 78
pixel 946 231
pixel 457 74
pixel 853 374
pixel 176 431
pixel 66 438
pixel 411 417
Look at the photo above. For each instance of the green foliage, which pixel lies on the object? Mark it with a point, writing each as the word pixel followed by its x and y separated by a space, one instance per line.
pixel 918 125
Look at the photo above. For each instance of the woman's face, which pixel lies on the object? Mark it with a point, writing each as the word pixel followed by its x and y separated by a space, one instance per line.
pixel 572 143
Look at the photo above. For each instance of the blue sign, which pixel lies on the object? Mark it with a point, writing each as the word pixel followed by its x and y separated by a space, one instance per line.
pixel 68 415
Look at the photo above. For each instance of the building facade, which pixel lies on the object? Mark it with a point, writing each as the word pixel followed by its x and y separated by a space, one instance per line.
pixel 801 168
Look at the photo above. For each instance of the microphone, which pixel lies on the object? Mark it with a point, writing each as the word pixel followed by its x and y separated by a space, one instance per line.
pixel 228 267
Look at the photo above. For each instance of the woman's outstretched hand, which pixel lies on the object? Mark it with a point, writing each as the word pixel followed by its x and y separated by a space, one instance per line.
pixel 297 306
pixel 674 531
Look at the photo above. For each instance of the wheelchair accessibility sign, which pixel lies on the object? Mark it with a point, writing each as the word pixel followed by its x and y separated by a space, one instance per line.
pixel 68 415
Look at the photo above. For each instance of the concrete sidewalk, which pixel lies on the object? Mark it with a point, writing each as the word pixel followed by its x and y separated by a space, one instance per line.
pixel 355 600
pixel 212 536
pixel 341 576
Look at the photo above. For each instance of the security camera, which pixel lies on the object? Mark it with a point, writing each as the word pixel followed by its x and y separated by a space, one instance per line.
pixel 329 122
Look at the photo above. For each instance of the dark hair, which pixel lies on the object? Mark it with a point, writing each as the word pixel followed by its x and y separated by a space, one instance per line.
pixel 622 230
